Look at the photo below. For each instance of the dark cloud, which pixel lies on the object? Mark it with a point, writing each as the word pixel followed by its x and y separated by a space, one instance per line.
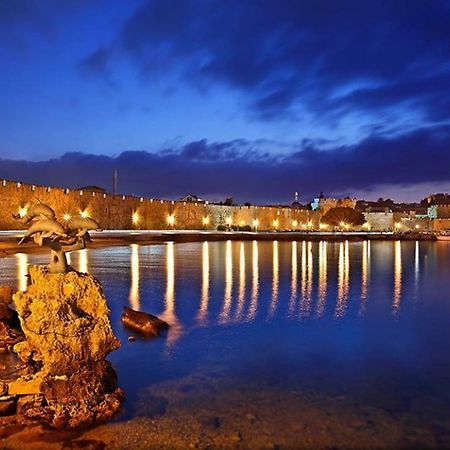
pixel 236 168
pixel 323 55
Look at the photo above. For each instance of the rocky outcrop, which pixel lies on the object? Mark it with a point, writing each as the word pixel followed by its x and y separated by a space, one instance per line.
pixel 142 322
pixel 65 320
pixel 10 333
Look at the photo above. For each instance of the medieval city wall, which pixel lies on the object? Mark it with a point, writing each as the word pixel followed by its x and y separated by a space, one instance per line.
pixel 129 212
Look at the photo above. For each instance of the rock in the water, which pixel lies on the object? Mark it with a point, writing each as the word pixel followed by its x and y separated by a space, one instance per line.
pixel 143 322
pixel 65 319
pixel 10 333
pixel 5 294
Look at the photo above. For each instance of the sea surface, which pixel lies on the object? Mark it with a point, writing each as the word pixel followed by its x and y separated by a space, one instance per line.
pixel 284 332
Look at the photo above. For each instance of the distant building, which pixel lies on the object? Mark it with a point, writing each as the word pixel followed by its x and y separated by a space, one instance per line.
pixel 439 212
pixel 296 204
pixel 191 198
pixel 438 199
pixel 97 189
pixel 323 204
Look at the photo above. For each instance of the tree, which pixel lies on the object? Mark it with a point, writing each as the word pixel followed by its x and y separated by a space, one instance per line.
pixel 343 216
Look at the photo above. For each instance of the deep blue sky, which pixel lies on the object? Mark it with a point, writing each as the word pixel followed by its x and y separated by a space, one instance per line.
pixel 254 99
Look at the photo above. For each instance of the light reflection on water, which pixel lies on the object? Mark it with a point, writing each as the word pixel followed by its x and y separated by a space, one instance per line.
pixel 22 271
pixel 304 269
pixel 357 316
pixel 397 277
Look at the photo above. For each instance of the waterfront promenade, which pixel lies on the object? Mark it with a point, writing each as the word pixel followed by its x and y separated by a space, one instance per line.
pixel 9 239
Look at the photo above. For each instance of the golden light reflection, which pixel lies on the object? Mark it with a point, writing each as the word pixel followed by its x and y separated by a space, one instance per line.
pixel 175 329
pixel 255 282
pixel 22 271
pixel 294 279
pixel 416 269
pixel 203 312
pixel 228 294
pixel 306 282
pixel 323 272
pixel 84 213
pixel 241 295
pixel 275 279
pixel 364 275
pixel 134 288
pixel 397 277
pixel 343 280
pixel 83 265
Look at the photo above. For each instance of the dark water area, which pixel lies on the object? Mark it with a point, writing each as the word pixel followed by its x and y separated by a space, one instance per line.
pixel 362 325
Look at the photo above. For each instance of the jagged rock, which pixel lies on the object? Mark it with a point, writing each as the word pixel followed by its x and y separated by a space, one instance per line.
pixel 7 408
pixel 5 294
pixel 68 334
pixel 24 387
pixel 143 322
pixel 65 319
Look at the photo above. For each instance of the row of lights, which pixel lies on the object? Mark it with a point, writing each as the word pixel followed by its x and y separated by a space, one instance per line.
pixel 171 220
pixel 24 209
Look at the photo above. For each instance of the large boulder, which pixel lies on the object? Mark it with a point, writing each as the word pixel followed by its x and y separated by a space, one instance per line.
pixel 142 322
pixel 65 319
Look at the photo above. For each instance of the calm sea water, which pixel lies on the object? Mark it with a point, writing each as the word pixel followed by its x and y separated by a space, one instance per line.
pixel 368 322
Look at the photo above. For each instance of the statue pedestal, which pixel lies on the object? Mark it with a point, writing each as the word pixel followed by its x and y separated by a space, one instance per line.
pixel 65 319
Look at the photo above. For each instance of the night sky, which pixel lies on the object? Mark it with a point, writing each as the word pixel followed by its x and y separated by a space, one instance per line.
pixel 250 99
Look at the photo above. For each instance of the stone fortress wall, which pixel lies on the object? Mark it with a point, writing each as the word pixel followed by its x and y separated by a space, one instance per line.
pixel 125 212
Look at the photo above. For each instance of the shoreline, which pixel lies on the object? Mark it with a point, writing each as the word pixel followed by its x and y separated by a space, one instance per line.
pixel 112 238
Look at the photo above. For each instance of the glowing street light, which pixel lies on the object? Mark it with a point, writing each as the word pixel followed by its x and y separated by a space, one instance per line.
pixel 23 211
pixel 255 223
pixel 294 223
pixel 323 226
pixel 228 221
pixel 84 213
pixel 171 219
pixel 275 223
pixel 398 225
pixel 66 217
pixel 206 220
pixel 135 218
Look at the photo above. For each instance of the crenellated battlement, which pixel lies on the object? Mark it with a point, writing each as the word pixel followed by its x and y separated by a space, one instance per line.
pixel 131 212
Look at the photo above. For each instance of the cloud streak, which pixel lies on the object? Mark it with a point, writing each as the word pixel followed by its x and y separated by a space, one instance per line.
pixel 237 168
pixel 290 57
